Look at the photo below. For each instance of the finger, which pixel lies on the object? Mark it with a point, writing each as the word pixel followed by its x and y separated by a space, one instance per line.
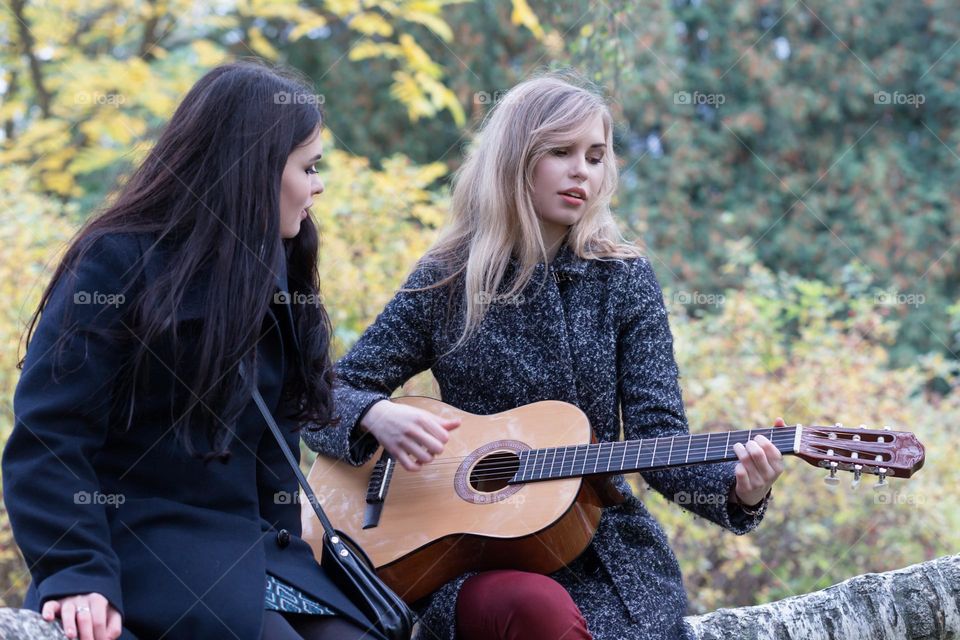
pixel 68 617
pixel 749 465
pixel 743 479
pixel 451 423
pixel 436 431
pixel 770 450
pixel 407 461
pixel 114 624
pixel 98 618
pixel 774 457
pixel 779 423
pixel 760 465
pixel 84 621
pixel 50 609
pixel 420 454
pixel 419 441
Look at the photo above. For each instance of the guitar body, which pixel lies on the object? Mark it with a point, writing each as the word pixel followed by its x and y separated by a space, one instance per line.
pixel 447 519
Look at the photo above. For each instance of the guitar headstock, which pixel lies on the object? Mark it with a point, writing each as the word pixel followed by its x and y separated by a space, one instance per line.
pixel 884 453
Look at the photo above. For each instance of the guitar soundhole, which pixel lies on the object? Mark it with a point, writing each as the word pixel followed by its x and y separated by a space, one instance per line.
pixel 492 472
pixel 482 476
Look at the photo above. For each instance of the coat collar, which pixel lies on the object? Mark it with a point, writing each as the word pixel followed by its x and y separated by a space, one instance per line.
pixel 566 262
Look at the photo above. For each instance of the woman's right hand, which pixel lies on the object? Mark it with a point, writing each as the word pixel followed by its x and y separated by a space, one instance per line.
pixel 87 616
pixel 412 436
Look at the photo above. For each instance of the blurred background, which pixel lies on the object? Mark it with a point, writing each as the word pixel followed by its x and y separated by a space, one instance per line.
pixel 791 169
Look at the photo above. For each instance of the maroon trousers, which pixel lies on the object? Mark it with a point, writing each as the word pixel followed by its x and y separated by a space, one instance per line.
pixel 516 605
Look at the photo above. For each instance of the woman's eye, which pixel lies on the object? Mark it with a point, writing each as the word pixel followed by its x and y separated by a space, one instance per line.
pixel 559 152
pixel 312 169
pixel 596 160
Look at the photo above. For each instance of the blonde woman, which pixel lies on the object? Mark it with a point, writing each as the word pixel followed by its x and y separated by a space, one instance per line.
pixel 530 294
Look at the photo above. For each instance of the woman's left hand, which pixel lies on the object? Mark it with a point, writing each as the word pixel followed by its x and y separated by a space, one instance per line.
pixel 759 467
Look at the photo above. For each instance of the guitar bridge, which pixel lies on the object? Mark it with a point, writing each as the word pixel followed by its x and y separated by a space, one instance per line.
pixel 377 490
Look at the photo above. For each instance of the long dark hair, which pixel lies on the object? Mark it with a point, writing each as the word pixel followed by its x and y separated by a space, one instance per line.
pixel 209 192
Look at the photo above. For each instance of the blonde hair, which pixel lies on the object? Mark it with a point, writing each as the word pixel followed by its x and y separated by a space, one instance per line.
pixel 492 216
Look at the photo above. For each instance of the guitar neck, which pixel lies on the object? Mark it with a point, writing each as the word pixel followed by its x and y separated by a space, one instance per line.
pixel 648 454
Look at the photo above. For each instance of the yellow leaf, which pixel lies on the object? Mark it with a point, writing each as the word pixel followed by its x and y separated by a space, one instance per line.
pixel 524 16
pixel 432 22
pixel 306 26
pixel 58 181
pixel 260 44
pixel 369 49
pixel 418 59
pixel 371 24
pixel 208 54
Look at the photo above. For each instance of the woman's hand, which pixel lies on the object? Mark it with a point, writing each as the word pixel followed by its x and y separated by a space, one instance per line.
pixel 412 436
pixel 87 616
pixel 759 467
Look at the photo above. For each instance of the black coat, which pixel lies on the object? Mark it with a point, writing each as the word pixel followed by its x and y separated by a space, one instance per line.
pixel 595 334
pixel 180 547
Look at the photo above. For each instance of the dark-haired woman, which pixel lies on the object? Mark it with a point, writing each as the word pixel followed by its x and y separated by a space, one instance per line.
pixel 144 488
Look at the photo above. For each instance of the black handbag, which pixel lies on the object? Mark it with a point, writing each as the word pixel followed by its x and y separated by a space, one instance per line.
pixel 346 563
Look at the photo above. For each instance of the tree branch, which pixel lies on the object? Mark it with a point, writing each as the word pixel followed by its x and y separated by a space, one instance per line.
pixel 26 38
pixel 921 602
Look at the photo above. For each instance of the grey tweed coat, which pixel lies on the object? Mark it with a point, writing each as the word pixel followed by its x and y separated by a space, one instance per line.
pixel 590 332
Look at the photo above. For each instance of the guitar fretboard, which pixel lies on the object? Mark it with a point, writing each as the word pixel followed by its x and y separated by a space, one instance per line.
pixel 642 455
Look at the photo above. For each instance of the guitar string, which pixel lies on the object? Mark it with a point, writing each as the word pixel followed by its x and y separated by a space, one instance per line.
pixel 780 440
pixel 508 471
pixel 786 437
pixel 491 470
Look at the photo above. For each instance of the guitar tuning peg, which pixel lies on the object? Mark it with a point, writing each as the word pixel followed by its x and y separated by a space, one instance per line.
pixel 832 480
pixel 857 472
pixel 882 482
pixel 887 428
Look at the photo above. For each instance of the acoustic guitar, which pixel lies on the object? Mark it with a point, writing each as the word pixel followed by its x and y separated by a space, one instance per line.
pixel 520 489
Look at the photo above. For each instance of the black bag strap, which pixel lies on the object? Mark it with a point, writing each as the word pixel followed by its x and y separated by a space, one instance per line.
pixel 304 485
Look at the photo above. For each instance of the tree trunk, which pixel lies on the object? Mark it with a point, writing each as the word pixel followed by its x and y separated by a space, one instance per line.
pixel 919 602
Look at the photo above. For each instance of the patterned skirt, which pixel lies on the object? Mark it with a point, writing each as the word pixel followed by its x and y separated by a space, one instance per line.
pixel 288 599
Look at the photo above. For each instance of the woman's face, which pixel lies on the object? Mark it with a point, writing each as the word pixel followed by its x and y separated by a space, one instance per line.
pixel 300 182
pixel 567 177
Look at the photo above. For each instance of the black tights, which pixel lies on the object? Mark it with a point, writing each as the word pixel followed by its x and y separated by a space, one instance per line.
pixel 291 626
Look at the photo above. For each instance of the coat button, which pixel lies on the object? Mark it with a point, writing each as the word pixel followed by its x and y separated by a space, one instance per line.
pixel 283 538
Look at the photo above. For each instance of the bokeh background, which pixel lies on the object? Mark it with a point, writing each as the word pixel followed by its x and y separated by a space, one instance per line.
pixel 790 167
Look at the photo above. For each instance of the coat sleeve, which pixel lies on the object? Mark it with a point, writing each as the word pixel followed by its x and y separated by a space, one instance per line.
pixel 652 406
pixel 61 406
pixel 397 346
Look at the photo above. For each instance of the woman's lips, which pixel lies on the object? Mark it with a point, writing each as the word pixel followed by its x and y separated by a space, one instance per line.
pixel 572 201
